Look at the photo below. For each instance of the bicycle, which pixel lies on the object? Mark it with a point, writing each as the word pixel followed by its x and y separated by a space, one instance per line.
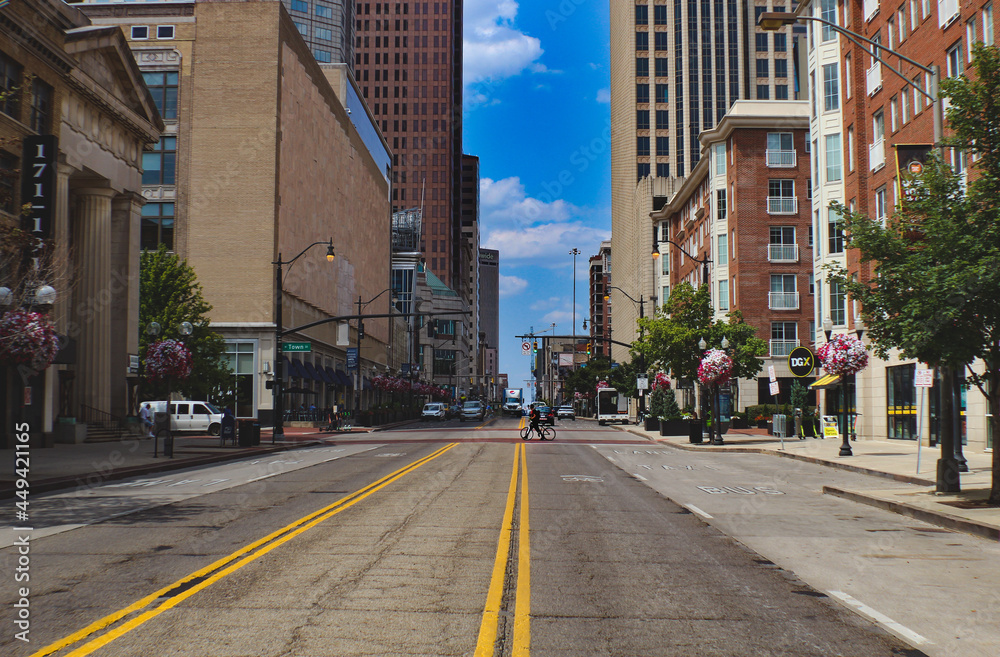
pixel 544 433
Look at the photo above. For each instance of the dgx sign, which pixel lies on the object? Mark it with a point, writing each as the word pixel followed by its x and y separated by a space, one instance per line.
pixel 802 361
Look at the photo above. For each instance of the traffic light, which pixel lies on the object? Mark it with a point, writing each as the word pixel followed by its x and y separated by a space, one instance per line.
pixel 430 329
pixel 361 331
pixel 589 347
pixel 534 347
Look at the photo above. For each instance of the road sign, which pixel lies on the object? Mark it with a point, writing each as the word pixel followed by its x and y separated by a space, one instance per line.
pixel 642 382
pixel 525 348
pixel 770 374
pixel 923 378
pixel 802 361
pixel 774 388
pixel 296 346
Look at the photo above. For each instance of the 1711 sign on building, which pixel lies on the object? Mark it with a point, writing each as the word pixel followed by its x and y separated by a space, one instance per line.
pixel 38 184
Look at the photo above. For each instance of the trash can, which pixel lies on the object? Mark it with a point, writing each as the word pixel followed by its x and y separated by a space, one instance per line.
pixel 161 422
pixel 246 433
pixel 695 436
pixel 255 432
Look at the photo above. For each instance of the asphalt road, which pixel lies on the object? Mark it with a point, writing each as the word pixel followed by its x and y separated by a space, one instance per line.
pixel 443 539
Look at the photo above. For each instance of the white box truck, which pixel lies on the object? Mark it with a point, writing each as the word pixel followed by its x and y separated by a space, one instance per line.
pixel 611 406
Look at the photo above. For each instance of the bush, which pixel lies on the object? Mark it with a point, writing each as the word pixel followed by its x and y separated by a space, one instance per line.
pixel 657 400
pixel 671 411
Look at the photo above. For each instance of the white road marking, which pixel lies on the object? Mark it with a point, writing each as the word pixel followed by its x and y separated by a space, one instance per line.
pixel 899 630
pixel 273 474
pixel 695 510
pixel 639 477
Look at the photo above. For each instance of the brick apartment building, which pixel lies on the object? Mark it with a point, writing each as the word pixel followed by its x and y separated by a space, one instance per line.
pixel 885 121
pixel 600 310
pixel 74 109
pixel 269 159
pixel 746 209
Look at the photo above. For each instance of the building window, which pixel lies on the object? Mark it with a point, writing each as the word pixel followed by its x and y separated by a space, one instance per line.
pixel 642 119
pixel 663 171
pixel 164 31
pixel 988 24
pixel 642 40
pixel 10 81
pixel 831 87
pixel 157 226
pixel 880 206
pixel 835 232
pixel 641 67
pixel 662 119
pixel 660 14
pixel 780 150
pixel 781 197
pixel 159 166
pixel 783 295
pixel 954 59
pixel 661 93
pixel 838 304
pixel 444 362
pixel 642 171
pixel 140 32
pixel 781 245
pixel 641 146
pixel 722 249
pixel 901 402
pixel 784 338
pixel 661 41
pixel 762 44
pixel 324 34
pixel 763 92
pixel 240 361
pixel 641 15
pixel 663 146
pixel 721 211
pixel 834 158
pixel 662 67
pixel 41 107
pixel 8 179
pixel 781 92
pixel 762 68
pixel 719 157
pixel 723 295
pixel 324 57
pixel 302 28
pixel 323 11
pixel 828 12
pixel 781 68
pixel 642 93
pixel 163 87
pixel 303 6
pixel 780 42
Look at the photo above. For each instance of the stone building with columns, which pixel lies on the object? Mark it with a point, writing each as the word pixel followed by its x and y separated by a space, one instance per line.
pixel 75 88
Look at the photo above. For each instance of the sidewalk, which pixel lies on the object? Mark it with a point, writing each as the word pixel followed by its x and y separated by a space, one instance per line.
pixel 65 466
pixel 906 491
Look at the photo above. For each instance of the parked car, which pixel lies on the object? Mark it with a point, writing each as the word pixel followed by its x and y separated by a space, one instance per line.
pixel 566 411
pixel 433 411
pixel 472 410
pixel 190 416
pixel 548 416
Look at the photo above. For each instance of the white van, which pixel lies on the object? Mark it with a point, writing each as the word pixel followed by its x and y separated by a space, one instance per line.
pixel 193 416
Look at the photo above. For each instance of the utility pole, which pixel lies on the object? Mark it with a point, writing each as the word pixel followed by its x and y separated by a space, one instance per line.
pixel 575 252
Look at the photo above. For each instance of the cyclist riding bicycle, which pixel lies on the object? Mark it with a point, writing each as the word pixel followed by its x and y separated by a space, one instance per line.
pixel 534 417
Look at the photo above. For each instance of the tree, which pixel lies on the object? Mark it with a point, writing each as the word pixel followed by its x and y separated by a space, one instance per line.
pixel 672 335
pixel 169 294
pixel 935 264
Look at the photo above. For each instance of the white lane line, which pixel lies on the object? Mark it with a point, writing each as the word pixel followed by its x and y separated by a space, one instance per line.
pixel 695 510
pixel 273 474
pixel 639 477
pixel 899 630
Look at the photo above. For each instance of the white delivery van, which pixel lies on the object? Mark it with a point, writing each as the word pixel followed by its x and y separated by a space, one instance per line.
pixel 190 416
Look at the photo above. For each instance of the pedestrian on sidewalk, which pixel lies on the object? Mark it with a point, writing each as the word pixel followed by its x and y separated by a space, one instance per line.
pixel 145 416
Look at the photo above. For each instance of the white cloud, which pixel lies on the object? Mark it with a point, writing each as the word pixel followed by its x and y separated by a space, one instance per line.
pixel 604 95
pixel 505 203
pixel 494 47
pixel 512 285
pixel 546 244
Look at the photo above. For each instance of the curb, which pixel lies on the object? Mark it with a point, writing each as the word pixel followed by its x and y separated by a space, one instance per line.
pixel 904 479
pixel 79 480
pixel 938 518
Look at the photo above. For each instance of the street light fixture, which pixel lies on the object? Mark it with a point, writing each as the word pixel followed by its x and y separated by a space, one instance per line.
pixel 575 252
pixel 153 330
pixel 278 432
pixel 772 21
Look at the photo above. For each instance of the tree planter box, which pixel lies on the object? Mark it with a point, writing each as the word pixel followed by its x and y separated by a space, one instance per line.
pixel 651 424
pixel 674 428
pixel 761 424
pixel 739 423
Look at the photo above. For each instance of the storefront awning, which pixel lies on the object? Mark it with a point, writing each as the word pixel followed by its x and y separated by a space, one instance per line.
pixel 343 378
pixel 825 381
pixel 328 375
pixel 297 370
pixel 311 372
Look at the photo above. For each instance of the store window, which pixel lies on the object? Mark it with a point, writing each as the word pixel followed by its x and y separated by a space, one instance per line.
pixel 240 360
pixel 900 401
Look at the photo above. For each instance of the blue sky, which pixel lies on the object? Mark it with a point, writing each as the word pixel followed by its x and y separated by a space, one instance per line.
pixel 537 115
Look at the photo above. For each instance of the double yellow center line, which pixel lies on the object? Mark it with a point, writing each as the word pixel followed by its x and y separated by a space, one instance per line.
pixel 170 596
pixel 521 636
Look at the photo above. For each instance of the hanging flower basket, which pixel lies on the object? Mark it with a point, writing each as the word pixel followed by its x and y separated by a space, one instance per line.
pixel 843 355
pixel 661 381
pixel 27 338
pixel 167 359
pixel 602 384
pixel 715 367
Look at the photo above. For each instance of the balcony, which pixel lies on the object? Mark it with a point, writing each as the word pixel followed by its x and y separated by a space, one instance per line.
pixel 782 252
pixel 780 159
pixel 782 347
pixel 873 78
pixel 876 155
pixel 783 300
pixel 782 205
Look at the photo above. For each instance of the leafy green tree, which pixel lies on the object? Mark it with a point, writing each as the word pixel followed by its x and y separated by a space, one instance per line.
pixel 931 292
pixel 169 294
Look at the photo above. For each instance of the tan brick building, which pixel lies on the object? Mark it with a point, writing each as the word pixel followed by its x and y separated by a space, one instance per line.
pixel 74 86
pixel 745 208
pixel 269 160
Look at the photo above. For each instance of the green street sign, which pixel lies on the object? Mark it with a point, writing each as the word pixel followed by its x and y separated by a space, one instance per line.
pixel 296 346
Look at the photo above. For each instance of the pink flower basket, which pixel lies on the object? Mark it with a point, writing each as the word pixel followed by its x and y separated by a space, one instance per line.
pixel 715 367
pixel 843 355
pixel 661 381
pixel 27 338
pixel 168 359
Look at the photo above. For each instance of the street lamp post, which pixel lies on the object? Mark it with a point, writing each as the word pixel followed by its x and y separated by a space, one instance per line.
pixel 278 432
pixel 642 314
pixel 773 21
pixel 361 336
pixel 575 252
pixel 153 330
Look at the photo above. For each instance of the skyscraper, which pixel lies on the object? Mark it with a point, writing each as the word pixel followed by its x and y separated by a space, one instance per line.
pixel 327 27
pixel 408 63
